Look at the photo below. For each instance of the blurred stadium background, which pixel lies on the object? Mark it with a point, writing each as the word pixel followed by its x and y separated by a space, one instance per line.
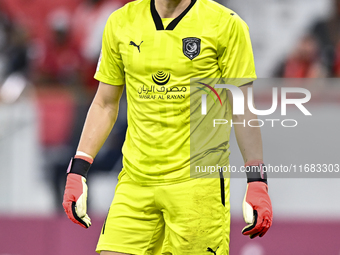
pixel 48 55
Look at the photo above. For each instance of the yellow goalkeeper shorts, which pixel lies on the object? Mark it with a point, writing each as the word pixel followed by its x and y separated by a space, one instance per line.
pixel 190 217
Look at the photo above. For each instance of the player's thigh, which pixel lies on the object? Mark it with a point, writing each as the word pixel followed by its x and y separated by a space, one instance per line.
pixel 197 217
pixel 133 224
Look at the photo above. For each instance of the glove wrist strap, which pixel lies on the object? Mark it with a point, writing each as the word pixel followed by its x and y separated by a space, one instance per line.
pixel 255 171
pixel 79 165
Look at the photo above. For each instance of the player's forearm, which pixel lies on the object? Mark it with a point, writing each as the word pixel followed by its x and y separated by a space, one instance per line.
pixel 248 138
pixel 98 125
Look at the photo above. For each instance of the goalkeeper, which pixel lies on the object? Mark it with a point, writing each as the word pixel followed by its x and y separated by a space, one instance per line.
pixel 153 48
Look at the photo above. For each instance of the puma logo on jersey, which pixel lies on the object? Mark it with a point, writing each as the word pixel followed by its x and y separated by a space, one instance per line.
pixel 134 44
pixel 212 251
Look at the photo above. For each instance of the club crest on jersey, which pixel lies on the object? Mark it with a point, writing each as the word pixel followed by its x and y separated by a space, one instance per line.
pixel 191 47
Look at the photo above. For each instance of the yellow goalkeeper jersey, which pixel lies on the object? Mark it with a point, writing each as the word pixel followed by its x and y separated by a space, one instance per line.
pixel 157 59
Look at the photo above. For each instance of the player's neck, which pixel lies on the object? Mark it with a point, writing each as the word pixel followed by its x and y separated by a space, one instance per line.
pixel 171 8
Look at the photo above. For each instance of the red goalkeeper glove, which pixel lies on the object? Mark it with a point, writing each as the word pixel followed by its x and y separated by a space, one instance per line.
pixel 257 207
pixel 75 195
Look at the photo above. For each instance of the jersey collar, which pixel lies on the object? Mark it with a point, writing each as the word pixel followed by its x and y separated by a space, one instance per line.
pixel 158 21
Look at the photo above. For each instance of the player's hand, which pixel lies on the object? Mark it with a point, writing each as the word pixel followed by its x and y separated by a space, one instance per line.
pixel 257 209
pixel 75 195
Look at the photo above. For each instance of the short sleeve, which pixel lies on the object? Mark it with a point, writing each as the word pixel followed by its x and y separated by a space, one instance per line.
pixel 235 54
pixel 110 68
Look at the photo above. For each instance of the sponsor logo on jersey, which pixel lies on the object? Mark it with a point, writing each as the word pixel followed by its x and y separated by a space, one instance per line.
pixel 191 47
pixel 161 78
pixel 162 90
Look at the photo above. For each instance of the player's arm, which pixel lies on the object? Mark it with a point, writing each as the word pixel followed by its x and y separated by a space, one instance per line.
pixel 99 122
pixel 257 208
pixel 248 138
pixel 100 118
